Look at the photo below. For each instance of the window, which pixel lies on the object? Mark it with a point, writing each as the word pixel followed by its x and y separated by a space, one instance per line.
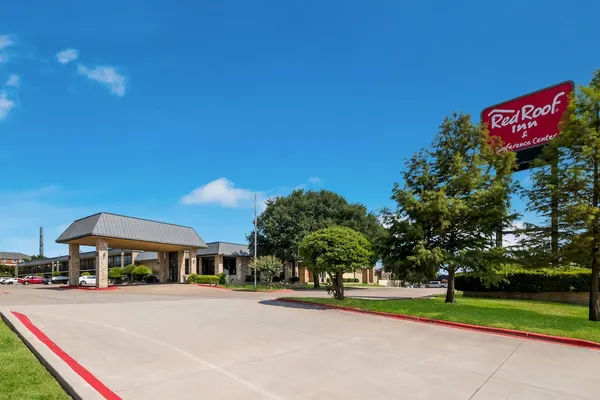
pixel 111 262
pixel 117 262
pixel 208 266
pixel 187 266
pixel 126 260
pixel 229 265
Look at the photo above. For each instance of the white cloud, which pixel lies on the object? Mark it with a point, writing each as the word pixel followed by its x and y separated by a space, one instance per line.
pixel 6 41
pixel 13 81
pixel 67 55
pixel 222 192
pixel 6 105
pixel 315 180
pixel 106 75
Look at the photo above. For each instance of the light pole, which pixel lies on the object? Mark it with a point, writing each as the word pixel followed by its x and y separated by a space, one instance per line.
pixel 255 244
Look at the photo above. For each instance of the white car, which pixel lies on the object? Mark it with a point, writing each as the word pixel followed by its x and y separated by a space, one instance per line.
pixel 9 281
pixel 435 284
pixel 89 280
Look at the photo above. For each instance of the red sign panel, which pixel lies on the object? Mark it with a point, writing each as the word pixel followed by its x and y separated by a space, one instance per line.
pixel 528 121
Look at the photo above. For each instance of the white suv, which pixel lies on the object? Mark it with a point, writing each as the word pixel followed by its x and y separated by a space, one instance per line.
pixel 89 280
pixel 435 284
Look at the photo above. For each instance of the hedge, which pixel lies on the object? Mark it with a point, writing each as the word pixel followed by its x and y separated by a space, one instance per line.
pixel 140 271
pixel 204 279
pixel 526 281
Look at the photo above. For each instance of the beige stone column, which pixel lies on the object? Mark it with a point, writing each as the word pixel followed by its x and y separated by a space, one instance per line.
pixel 181 266
pixel 74 264
pixel 240 270
pixel 193 262
pixel 163 266
pixel 218 264
pixel 123 259
pixel 101 263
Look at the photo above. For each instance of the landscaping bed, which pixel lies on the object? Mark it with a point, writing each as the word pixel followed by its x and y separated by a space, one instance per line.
pixel 21 374
pixel 564 320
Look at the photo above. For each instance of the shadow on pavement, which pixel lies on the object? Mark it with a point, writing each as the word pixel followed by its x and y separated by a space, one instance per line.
pixel 278 303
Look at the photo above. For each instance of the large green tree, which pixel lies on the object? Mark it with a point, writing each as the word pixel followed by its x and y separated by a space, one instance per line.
pixel 336 250
pixel 287 220
pixel 453 198
pixel 576 187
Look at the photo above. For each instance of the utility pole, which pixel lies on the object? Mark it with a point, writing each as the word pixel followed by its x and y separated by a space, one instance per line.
pixel 41 241
pixel 255 243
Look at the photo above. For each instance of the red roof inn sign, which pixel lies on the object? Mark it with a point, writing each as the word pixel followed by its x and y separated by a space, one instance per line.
pixel 528 122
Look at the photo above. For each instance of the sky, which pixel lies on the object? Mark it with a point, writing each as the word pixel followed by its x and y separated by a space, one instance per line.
pixel 181 111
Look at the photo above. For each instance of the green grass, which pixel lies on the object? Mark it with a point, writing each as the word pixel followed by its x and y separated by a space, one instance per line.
pixel 21 374
pixel 250 288
pixel 530 316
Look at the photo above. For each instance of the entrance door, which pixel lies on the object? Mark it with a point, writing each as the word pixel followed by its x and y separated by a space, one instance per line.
pixel 208 266
pixel 173 275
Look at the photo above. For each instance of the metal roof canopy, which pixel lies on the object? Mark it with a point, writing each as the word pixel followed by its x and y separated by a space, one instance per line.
pixel 131 233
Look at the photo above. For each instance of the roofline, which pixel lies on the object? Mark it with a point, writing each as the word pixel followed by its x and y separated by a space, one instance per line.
pixel 128 216
pixel 133 240
pixel 220 241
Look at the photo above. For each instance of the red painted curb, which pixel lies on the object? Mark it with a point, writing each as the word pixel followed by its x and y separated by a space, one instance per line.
pixel 75 366
pixel 92 288
pixel 487 329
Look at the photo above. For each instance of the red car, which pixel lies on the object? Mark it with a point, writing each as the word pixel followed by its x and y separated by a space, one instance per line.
pixel 31 280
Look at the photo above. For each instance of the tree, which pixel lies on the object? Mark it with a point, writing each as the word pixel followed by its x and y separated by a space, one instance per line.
pixel 287 220
pixel 268 266
pixel 576 154
pixel 140 272
pixel 36 257
pixel 336 250
pixel 453 198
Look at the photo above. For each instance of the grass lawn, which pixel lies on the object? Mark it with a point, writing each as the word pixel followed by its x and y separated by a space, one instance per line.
pixel 531 316
pixel 250 288
pixel 21 374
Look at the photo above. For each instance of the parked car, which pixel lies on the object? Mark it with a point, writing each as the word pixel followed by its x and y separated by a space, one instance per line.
pixel 31 280
pixel 10 281
pixel 57 280
pixel 89 280
pixel 435 284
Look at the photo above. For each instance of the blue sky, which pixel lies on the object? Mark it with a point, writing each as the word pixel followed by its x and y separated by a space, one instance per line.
pixel 179 111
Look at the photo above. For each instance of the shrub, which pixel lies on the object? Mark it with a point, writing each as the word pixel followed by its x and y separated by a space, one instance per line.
pixel 56 273
pixel 151 279
pixel 222 279
pixel 276 279
pixel 294 279
pixel 530 281
pixel 203 279
pixel 85 274
pixel 39 274
pixel 115 273
pixel 140 271
pixel 351 280
pixel 128 270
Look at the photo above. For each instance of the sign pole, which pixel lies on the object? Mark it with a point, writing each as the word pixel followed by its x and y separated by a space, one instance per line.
pixel 554 211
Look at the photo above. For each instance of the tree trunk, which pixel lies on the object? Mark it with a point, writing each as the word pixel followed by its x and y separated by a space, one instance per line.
pixel 316 279
pixel 450 290
pixel 339 287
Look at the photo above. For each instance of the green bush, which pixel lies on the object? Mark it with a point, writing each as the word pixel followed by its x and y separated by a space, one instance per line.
pixel 85 274
pixel 56 273
pixel 115 273
pixel 222 279
pixel 351 280
pixel 140 272
pixel 203 279
pixel 526 281
pixel 294 279
pixel 128 270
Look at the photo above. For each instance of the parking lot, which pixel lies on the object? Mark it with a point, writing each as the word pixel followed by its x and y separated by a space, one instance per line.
pixel 189 342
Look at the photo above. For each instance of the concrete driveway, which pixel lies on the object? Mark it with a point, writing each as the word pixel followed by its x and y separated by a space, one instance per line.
pixel 189 342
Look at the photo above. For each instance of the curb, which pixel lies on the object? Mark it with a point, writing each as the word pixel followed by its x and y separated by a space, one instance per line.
pixel 478 328
pixel 91 288
pixel 48 354
pixel 244 290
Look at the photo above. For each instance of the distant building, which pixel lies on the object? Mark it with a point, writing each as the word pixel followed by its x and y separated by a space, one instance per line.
pixel 11 258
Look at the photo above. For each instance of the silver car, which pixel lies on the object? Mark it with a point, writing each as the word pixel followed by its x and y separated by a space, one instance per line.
pixel 89 280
